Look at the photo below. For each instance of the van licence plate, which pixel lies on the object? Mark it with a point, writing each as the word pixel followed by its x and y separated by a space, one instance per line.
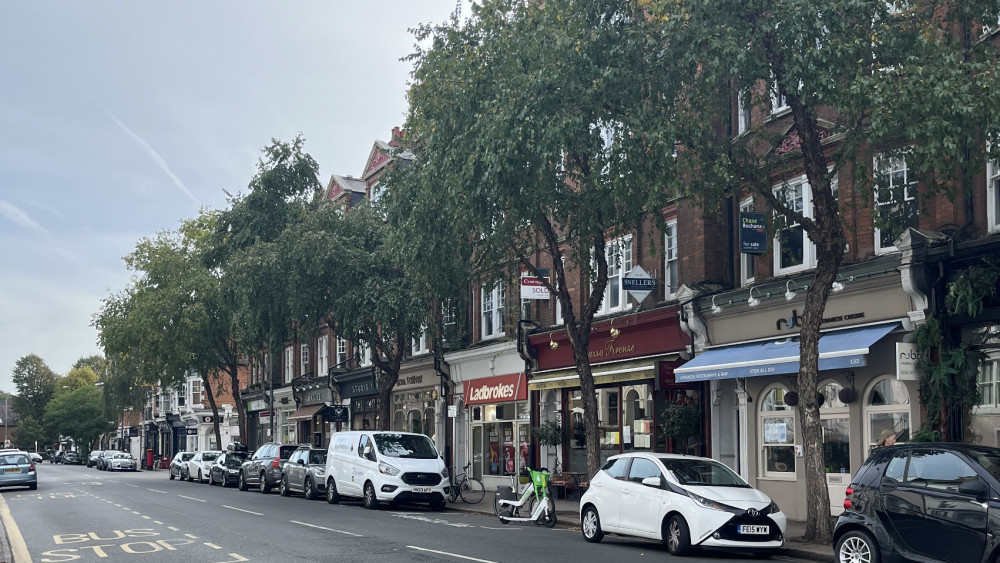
pixel 753 530
pixel 421 489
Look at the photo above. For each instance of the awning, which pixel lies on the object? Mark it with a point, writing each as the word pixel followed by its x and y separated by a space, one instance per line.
pixel 841 349
pixel 603 374
pixel 306 412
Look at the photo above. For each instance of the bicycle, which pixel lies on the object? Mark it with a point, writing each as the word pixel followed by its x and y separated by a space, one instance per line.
pixel 469 488
pixel 508 507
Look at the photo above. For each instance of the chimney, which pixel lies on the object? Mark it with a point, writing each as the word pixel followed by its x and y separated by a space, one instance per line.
pixel 397 137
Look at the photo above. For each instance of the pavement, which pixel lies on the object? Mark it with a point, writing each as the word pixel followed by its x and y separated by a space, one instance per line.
pixel 567 512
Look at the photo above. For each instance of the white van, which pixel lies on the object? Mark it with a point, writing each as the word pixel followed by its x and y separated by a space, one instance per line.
pixel 380 466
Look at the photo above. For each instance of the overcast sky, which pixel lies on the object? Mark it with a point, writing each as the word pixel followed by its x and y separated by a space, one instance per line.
pixel 121 119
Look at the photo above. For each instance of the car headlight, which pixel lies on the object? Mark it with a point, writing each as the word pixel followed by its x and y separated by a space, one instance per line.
pixel 444 473
pixel 387 469
pixel 709 503
pixel 771 508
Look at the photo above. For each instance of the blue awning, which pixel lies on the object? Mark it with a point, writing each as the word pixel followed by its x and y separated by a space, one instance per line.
pixel 841 349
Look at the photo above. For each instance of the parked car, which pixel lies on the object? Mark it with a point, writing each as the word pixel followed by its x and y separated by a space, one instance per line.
pixel 36 457
pixel 305 473
pixel 200 463
pixel 57 457
pixel 379 466
pixel 121 461
pixel 178 465
pixel 102 460
pixel 263 469
pixel 922 501
pixel 17 470
pixel 71 458
pixel 92 458
pixel 226 468
pixel 683 501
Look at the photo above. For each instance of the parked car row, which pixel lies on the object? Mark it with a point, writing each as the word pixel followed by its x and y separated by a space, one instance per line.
pixel 112 460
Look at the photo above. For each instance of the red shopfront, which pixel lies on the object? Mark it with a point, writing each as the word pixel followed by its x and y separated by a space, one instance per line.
pixel 499 426
pixel 632 361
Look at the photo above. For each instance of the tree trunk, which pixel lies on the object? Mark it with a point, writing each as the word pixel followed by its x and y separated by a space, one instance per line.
pixel 234 384
pixel 386 378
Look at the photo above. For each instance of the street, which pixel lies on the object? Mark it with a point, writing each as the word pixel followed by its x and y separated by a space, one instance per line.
pixel 81 514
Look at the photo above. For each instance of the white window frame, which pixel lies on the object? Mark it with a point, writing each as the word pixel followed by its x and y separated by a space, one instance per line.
pixel 194 392
pixel 993 196
pixel 491 317
pixel 363 353
pixel 289 363
pixel 743 115
pixel 671 261
pixel 341 352
pixel 764 416
pixel 806 209
pixel 555 281
pixel 989 378
pixel 618 268
pixel 894 161
pixel 419 345
pixel 304 358
pixel 904 408
pixel 779 101
pixel 747 265
pixel 323 355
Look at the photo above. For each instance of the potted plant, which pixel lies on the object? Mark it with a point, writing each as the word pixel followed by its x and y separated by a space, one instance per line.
pixel 681 420
pixel 550 434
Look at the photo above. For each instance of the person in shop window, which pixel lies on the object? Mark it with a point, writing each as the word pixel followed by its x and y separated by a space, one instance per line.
pixel 886 438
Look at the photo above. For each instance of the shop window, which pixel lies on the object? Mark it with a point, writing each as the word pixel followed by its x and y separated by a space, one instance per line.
pixel 777 431
pixel 887 406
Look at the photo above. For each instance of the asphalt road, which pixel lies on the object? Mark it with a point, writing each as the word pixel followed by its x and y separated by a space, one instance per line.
pixel 85 515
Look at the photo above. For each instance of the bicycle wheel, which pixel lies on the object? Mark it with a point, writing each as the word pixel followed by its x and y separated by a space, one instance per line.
pixel 472 491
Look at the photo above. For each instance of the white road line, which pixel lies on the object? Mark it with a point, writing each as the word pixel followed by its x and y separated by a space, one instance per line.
pixel 192 536
pixel 191 498
pixel 157 522
pixel 327 529
pixel 146 517
pixel 173 528
pixel 504 528
pixel 157 491
pixel 240 509
pixel 466 557
pixel 213 546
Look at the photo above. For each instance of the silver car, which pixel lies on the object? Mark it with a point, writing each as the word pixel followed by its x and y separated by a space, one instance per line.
pixel 305 472
pixel 17 470
pixel 121 461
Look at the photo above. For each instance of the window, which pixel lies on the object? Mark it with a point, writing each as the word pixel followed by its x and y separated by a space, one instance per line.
pixel 989 384
pixel 448 313
pixel 363 354
pixel 777 431
pixel 937 469
pixel 619 256
pixel 671 279
pixel 779 102
pixel 887 406
pixel 289 364
pixel 493 311
pixel 341 352
pixel 195 387
pixel 616 467
pixel 419 344
pixel 742 112
pixel 895 201
pixel 793 251
pixel 642 468
pixel 323 355
pixel 304 359
pixel 993 195
pixel 746 260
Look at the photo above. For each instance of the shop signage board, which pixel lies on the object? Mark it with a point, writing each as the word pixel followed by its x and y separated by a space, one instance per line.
pixel 753 233
pixel 906 361
pixel 497 389
pixel 338 414
pixel 639 284
pixel 532 287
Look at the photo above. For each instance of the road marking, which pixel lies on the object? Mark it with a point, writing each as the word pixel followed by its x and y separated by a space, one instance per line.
pixel 240 509
pixel 136 512
pixel 18 548
pixel 238 558
pixel 146 517
pixel 504 528
pixel 192 536
pixel 191 498
pixel 327 529
pixel 157 522
pixel 466 557
pixel 213 546
pixel 157 491
pixel 173 529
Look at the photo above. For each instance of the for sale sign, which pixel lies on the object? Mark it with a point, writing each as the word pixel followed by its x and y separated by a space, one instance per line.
pixel 532 286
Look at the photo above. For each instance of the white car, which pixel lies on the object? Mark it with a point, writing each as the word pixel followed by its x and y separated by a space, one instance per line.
pixel 121 461
pixel 200 465
pixel 683 501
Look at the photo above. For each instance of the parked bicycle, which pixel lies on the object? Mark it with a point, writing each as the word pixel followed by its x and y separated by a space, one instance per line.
pixel 470 489
pixel 534 505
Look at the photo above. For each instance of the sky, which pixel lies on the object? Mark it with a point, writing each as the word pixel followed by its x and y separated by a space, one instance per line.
pixel 121 119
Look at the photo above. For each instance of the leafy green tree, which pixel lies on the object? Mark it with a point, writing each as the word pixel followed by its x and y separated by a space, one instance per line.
pixel 97 363
pixel 538 132
pixel 29 433
pixel 859 80
pixel 78 415
pixel 76 378
pixel 35 383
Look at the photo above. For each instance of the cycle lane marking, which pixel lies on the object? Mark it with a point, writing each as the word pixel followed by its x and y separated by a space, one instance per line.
pixel 456 555
pixel 326 529
pixel 241 509
pixel 192 498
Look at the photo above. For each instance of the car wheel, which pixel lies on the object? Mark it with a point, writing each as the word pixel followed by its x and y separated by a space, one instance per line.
pixel 33 487
pixel 200 478
pixel 172 475
pixel 857 545
pixel 370 500
pixel 284 490
pixel 332 496
pixel 677 536
pixel 263 486
pixel 242 483
pixel 590 525
pixel 307 489
pixel 211 478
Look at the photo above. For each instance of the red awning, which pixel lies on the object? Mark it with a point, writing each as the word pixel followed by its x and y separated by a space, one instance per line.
pixel 306 412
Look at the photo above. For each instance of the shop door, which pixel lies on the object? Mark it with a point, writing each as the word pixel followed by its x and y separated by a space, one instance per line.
pixel 836 459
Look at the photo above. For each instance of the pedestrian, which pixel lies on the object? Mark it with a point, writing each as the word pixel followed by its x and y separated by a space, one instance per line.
pixel 886 438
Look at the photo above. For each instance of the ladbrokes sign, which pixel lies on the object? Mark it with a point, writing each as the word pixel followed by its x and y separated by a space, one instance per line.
pixel 499 389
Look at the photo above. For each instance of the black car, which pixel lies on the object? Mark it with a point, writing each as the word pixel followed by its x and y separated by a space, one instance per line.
pixel 264 468
pixel 71 458
pixel 923 502
pixel 225 469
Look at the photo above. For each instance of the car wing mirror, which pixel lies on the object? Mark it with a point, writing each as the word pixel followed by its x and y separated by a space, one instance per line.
pixel 301 462
pixel 975 487
pixel 655 482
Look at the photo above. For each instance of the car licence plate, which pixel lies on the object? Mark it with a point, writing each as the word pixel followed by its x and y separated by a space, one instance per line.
pixel 753 530
pixel 13 470
pixel 421 489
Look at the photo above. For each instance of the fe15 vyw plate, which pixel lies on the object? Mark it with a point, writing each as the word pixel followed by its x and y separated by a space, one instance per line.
pixel 754 530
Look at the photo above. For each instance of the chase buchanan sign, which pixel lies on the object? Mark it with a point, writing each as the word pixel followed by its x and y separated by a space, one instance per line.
pixel 498 389
pixel 611 349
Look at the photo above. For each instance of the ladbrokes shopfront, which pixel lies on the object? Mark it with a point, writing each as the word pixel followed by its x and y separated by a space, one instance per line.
pixel 499 427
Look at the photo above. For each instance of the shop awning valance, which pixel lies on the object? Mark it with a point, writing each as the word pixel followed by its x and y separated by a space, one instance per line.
pixel 841 349
pixel 306 412
pixel 603 374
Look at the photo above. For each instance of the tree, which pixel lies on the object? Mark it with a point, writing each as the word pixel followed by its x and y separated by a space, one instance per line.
pixel 860 80
pixel 78 415
pixel 35 383
pixel 97 363
pixel 76 378
pixel 28 433
pixel 536 132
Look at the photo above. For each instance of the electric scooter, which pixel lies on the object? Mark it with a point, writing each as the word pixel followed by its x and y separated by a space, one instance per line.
pixel 535 500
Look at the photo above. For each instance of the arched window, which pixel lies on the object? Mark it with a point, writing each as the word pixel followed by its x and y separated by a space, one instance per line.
pixel 887 405
pixel 777 433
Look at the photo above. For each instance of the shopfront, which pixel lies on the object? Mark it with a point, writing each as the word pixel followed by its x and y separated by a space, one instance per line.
pixel 631 357
pixel 414 400
pixel 358 392
pixel 310 419
pixel 499 427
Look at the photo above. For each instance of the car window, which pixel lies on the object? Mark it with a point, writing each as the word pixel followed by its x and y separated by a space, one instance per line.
pixel 286 451
pixel 940 470
pixel 209 456
pixel 362 443
pixel 317 457
pixel 232 461
pixel 642 468
pixel 616 467
pixel 15 459
pixel 897 466
pixel 406 446
pixel 702 472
